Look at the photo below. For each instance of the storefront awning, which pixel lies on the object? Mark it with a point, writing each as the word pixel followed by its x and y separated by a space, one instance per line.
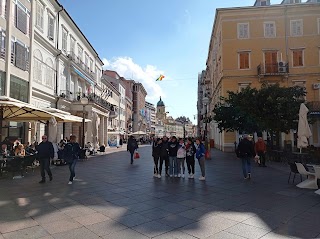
pixel 15 110
pixel 65 116
pixel 83 76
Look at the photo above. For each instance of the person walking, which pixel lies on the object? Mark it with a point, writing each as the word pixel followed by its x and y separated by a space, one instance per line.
pixel 156 148
pixel 45 153
pixel 71 156
pixel 200 153
pixel 132 146
pixel 181 156
pixel 245 151
pixel 260 148
pixel 164 155
pixel 173 149
pixel 190 152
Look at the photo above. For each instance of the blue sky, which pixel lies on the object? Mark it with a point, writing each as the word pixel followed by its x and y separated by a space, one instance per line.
pixel 142 39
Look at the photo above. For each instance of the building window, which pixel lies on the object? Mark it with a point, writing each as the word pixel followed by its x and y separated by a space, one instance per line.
pixel 296 27
pixel 297 58
pixel 269 29
pixel 50 73
pixel 80 53
pixel 271 61
pixel 244 60
pixel 263 3
pixel 243 30
pixel 19 88
pixel 50 27
pixel 37 76
pixel 21 17
pixel 2 45
pixel 64 39
pixel 39 15
pixel 72 45
pixel 91 65
pixel 19 55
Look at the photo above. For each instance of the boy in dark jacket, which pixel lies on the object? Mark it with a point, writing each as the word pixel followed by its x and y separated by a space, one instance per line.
pixel 45 153
pixel 132 146
pixel 245 151
pixel 71 156
pixel 200 153
pixel 156 148
pixel 173 163
pixel 164 155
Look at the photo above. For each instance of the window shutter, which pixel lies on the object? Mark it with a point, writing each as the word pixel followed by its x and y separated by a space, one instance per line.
pixel 51 27
pixel 21 20
pixel 21 56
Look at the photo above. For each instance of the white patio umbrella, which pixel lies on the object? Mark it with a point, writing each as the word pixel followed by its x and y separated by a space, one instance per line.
pixel 53 127
pixel 304 132
pixel 138 133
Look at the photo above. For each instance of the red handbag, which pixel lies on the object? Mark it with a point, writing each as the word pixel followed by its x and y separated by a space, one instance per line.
pixel 136 155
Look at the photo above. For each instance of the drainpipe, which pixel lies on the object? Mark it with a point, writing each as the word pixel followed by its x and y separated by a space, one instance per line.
pixel 57 56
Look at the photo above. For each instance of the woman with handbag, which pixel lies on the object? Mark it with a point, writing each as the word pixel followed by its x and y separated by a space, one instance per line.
pixel 132 146
pixel 71 156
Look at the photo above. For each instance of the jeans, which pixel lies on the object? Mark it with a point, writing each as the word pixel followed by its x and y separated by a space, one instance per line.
pixel 180 162
pixel 172 164
pixel 190 164
pixel 131 153
pixel 262 156
pixel 156 164
pixel 45 166
pixel 202 166
pixel 72 166
pixel 246 166
pixel 166 162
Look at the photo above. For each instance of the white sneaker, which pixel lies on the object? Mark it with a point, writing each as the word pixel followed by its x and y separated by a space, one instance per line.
pixel 175 175
pixel 189 176
pixel 202 178
pixel 159 175
pixel 74 177
pixel 179 175
pixel 170 175
pixel 155 175
pixel 182 175
pixel 69 182
pixel 192 175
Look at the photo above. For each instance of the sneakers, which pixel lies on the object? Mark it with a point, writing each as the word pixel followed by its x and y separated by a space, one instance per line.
pixel 171 176
pixel 70 182
pixel 175 175
pixel 42 181
pixel 50 177
pixel 74 177
pixel 202 178
pixel 182 175
pixel 159 175
pixel 191 175
pixel 155 175
pixel 179 175
pixel 167 175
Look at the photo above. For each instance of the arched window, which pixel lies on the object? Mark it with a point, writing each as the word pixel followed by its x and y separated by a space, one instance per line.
pixel 37 66
pixel 49 78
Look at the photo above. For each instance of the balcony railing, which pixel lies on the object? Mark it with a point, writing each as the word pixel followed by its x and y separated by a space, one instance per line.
pixel 76 59
pixel 277 68
pixel 314 107
pixel 97 100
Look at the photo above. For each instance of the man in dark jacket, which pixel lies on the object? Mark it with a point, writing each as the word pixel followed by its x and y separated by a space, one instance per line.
pixel 71 156
pixel 245 151
pixel 132 146
pixel 45 153
pixel 164 156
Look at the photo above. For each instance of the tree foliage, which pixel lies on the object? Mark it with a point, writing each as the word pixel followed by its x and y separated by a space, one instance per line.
pixel 271 108
pixel 183 119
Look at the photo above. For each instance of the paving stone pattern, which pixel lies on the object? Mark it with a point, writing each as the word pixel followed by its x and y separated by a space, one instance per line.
pixel 111 198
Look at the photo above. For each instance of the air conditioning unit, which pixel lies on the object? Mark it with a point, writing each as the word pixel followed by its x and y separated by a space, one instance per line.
pixel 316 86
pixel 282 68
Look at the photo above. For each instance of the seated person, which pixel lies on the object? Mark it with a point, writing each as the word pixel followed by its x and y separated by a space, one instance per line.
pixel 4 150
pixel 31 149
pixel 102 148
pixel 19 150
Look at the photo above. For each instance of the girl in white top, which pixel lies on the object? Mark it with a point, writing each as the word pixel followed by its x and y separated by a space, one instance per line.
pixel 181 156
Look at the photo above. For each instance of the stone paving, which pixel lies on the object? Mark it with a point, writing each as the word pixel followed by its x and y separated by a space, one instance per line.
pixel 113 199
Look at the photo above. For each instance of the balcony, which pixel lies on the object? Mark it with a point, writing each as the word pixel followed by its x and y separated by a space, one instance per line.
pixel 76 59
pixel 274 69
pixel 93 98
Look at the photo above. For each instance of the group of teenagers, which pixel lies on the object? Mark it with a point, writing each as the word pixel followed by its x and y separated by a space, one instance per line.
pixel 175 153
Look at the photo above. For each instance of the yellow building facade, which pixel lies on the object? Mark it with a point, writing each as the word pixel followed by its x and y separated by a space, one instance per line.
pixel 265 43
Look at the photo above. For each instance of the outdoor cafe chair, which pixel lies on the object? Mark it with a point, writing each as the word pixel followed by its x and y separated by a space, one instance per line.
pixel 310 182
pixel 13 165
pixel 294 170
pixel 29 161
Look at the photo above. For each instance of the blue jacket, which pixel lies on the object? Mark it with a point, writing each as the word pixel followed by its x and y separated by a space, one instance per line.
pixel 200 152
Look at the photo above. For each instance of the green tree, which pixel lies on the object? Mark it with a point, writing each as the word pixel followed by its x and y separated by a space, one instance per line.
pixel 272 108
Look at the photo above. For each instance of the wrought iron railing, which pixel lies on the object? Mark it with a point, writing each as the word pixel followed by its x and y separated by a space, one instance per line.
pixel 277 68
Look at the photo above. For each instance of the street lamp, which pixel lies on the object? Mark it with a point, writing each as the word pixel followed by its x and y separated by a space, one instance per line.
pixel 84 101
pixel 205 101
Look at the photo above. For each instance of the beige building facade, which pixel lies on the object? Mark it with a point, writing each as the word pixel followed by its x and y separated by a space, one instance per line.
pixel 267 44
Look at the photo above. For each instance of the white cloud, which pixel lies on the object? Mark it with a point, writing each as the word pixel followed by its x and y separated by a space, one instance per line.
pixel 126 67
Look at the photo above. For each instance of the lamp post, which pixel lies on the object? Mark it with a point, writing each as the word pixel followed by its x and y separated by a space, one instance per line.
pixel 84 101
pixel 205 101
